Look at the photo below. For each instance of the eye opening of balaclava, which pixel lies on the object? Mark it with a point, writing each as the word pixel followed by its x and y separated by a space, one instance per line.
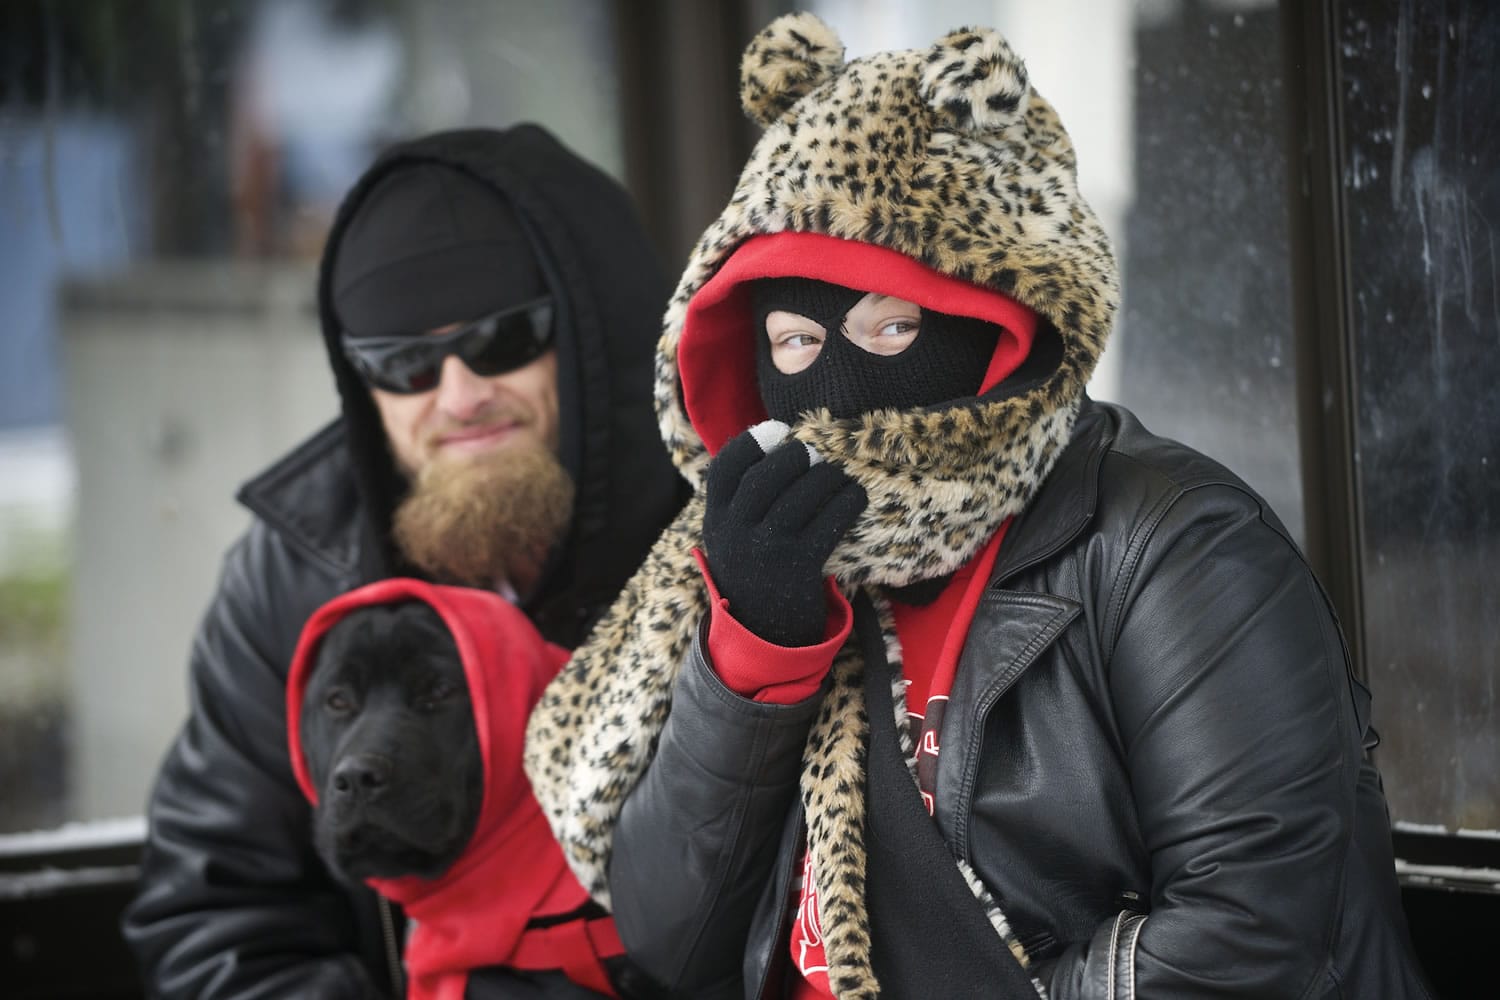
pixel 947 360
pixel 716 348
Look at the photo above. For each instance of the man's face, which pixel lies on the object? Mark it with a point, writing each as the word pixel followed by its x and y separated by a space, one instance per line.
pixel 468 415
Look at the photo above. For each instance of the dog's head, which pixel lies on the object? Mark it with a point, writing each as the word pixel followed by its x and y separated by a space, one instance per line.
pixel 389 743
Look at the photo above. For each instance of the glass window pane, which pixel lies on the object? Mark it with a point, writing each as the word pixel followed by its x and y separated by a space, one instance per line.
pixel 1423 198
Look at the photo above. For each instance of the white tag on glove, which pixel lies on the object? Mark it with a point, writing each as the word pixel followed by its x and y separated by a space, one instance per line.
pixel 769 433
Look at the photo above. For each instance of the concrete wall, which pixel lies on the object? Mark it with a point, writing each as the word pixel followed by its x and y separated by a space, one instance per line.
pixel 181 381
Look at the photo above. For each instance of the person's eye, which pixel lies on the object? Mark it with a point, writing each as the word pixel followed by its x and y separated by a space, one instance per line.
pixel 902 327
pixel 887 334
pixel 795 340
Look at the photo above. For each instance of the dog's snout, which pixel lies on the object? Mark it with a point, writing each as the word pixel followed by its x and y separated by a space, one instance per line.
pixel 361 775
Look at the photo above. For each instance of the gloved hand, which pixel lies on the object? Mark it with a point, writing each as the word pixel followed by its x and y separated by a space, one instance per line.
pixel 770 522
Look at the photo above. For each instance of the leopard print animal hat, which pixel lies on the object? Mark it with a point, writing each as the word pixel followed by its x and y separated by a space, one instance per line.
pixel 945 156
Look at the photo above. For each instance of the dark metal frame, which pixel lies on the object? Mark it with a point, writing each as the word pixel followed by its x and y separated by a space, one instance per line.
pixel 1448 888
pixel 1321 309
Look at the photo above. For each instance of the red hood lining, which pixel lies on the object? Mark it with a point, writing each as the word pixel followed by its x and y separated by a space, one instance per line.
pixel 716 354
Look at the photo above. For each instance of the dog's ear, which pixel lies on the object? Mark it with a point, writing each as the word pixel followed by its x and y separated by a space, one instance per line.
pixel 312 728
pixel 335 663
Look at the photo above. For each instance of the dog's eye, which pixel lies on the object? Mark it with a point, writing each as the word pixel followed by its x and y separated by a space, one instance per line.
pixel 337 701
pixel 436 695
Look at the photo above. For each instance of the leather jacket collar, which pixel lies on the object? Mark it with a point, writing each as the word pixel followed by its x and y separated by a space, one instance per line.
pixel 309 497
pixel 1066 501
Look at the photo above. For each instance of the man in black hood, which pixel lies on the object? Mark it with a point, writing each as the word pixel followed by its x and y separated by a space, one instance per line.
pixel 490 307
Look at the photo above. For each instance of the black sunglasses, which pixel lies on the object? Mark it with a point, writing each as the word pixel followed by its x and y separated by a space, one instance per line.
pixel 492 345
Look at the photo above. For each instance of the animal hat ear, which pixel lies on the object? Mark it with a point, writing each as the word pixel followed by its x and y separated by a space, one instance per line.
pixel 975 80
pixel 791 56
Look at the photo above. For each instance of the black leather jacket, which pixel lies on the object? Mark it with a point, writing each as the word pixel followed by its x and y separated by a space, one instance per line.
pixel 230 885
pixel 1153 755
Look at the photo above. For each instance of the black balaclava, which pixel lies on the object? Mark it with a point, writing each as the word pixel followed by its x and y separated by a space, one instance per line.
pixel 946 361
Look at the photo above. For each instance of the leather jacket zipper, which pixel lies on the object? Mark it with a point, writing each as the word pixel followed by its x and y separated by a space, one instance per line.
pixel 392 953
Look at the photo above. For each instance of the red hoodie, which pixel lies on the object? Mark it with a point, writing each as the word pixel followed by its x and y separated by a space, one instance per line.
pixel 477 913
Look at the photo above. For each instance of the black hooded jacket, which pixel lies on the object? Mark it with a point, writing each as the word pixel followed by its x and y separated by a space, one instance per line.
pixel 233 901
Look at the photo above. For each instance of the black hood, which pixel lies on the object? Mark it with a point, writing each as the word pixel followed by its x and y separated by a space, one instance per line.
pixel 610 291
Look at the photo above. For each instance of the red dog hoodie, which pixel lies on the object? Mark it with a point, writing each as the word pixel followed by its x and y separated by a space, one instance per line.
pixel 479 913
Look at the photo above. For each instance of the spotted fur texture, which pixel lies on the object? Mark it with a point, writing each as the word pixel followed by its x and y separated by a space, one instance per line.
pixel 948 156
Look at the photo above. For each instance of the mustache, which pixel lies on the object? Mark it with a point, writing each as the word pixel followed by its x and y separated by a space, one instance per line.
pixel 502 416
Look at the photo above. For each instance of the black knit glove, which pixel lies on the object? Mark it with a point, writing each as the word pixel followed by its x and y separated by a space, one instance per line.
pixel 770 522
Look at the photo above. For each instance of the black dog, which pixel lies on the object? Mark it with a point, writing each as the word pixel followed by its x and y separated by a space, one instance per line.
pixel 390 743
pixel 407 706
